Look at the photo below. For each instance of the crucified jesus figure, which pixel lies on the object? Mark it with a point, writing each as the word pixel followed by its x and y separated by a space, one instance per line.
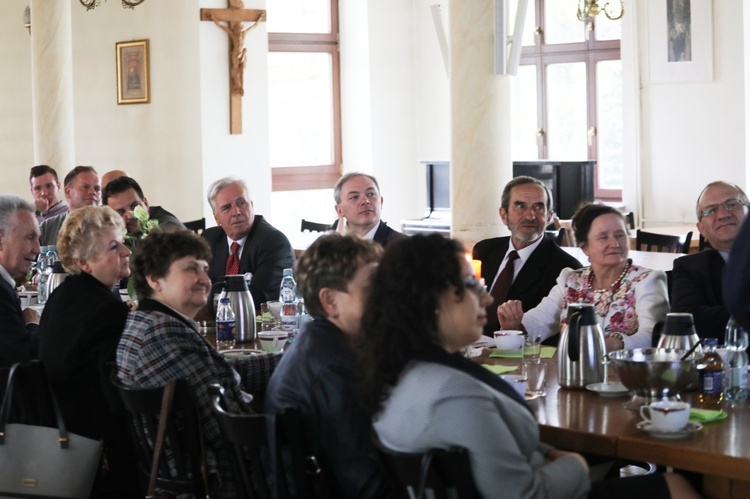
pixel 238 54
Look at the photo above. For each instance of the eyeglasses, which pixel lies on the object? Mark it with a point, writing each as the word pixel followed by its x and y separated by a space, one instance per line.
pixel 476 285
pixel 728 205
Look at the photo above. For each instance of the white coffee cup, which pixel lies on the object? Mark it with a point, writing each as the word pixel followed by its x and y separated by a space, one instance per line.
pixel 272 341
pixel 506 339
pixel 666 415
pixel 517 381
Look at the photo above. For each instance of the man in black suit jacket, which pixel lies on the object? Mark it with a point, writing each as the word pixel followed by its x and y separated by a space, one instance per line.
pixel 19 247
pixel 526 209
pixel 124 194
pixel 264 250
pixel 697 278
pixel 358 205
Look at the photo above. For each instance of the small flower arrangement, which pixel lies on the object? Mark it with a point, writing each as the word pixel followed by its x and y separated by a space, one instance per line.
pixel 145 225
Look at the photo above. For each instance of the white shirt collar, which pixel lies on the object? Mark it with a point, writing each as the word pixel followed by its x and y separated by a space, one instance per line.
pixel 370 236
pixel 6 275
pixel 525 253
pixel 241 242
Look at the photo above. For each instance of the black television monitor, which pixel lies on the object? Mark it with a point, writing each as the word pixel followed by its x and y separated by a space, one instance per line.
pixel 571 182
pixel 438 185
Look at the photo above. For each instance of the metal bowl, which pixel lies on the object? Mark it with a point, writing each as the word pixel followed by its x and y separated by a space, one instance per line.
pixel 654 373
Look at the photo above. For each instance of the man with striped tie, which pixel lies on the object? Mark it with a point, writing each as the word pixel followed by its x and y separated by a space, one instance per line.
pixel 244 242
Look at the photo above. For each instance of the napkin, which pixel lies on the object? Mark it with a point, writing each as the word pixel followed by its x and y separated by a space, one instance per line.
pixel 706 415
pixel 500 369
pixel 547 353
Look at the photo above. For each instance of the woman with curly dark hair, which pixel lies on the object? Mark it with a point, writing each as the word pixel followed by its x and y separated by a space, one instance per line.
pixel 425 305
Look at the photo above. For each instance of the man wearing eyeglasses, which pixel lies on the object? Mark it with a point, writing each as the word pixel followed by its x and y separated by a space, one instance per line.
pixel 696 279
pixel 536 260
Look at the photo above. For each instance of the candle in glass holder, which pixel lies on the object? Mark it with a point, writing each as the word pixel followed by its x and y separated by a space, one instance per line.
pixel 475 264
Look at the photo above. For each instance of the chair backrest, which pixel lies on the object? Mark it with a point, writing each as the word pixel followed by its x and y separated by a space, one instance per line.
pixel 197 226
pixel 446 473
pixel 702 243
pixel 664 243
pixel 558 235
pixel 181 466
pixel 260 444
pixel 314 226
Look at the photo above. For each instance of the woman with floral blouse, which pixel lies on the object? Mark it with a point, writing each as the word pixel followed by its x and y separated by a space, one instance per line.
pixel 628 299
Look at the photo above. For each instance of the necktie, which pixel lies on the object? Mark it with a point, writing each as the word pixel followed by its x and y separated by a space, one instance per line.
pixel 233 262
pixel 499 292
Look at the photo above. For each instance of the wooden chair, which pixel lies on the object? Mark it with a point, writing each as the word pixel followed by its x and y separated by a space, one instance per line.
pixel 260 445
pixel 444 472
pixel 182 463
pixel 197 226
pixel 568 238
pixel 314 226
pixel 702 243
pixel 558 235
pixel 662 242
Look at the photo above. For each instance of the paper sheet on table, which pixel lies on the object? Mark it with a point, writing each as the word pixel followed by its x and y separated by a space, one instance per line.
pixel 547 353
pixel 500 369
pixel 484 342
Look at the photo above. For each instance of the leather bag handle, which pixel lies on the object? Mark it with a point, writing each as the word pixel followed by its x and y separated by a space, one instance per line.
pixel 8 401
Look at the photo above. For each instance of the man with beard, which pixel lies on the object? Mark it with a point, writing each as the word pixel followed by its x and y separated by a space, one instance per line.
pixel 536 260
pixel 123 195
pixel 696 279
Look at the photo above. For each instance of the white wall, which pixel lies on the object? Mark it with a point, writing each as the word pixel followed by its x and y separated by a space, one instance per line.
pixel 692 133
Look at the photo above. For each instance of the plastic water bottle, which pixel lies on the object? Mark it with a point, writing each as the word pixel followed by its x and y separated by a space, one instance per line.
pixel 712 376
pixel 735 367
pixel 288 299
pixel 44 268
pixel 225 325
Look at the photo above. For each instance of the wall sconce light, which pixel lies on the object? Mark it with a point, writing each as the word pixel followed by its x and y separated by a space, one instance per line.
pixel 27 18
pixel 613 9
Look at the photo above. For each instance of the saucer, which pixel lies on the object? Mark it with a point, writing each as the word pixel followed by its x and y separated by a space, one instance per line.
pixel 687 431
pixel 240 353
pixel 611 389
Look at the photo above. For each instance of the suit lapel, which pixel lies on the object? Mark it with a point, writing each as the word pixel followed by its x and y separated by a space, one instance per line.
pixel 531 271
pixel 492 262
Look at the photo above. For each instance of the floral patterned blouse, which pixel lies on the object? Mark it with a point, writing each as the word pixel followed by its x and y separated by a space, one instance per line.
pixel 631 308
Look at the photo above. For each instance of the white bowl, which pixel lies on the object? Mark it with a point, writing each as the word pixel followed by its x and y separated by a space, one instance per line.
pixel 506 339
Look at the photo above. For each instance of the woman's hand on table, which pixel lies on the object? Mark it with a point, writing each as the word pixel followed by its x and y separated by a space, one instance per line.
pixel 509 314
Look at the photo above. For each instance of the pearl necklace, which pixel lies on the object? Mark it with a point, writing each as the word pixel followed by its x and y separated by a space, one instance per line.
pixel 612 286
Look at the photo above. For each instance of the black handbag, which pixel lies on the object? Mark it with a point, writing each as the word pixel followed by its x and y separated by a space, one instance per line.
pixel 44 461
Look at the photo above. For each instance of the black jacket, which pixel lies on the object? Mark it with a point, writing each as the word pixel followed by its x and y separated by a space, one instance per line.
pixel 317 375
pixel 18 342
pixel 536 278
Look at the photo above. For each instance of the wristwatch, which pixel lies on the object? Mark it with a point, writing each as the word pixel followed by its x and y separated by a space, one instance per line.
pixel 620 337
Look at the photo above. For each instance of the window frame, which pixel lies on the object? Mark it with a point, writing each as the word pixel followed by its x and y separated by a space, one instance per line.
pixel 590 51
pixel 292 178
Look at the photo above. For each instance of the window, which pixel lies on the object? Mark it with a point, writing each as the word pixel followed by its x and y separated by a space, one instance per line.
pixel 304 98
pixel 567 96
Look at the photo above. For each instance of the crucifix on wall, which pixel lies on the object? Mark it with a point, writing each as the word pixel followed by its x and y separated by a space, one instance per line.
pixel 234 17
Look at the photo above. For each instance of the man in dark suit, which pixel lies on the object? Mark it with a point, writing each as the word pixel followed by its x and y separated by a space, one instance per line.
pixel 697 279
pixel 244 242
pixel 526 209
pixel 124 194
pixel 358 205
pixel 19 247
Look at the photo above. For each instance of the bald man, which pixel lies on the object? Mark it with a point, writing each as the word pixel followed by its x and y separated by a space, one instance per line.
pixel 111 175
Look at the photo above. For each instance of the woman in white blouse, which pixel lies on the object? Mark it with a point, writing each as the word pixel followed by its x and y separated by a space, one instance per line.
pixel 628 299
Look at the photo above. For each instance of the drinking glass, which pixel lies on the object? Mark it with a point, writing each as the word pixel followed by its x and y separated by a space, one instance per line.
pixel 532 349
pixel 274 307
pixel 267 320
pixel 535 379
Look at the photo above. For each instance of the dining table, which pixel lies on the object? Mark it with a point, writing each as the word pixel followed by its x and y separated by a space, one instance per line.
pixel 582 421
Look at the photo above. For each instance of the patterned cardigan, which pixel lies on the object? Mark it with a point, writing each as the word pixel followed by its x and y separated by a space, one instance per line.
pixel 159 345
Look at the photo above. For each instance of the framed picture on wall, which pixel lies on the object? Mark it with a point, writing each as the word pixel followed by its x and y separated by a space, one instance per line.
pixel 133 86
pixel 680 41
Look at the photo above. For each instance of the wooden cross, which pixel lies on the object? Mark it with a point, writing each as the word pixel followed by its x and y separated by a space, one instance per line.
pixel 234 16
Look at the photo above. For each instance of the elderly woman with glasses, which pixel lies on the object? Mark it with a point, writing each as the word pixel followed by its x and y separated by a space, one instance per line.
pixel 78 334
pixel 161 342
pixel 628 299
pixel 424 306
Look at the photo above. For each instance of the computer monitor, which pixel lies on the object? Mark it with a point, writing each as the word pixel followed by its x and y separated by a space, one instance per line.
pixel 438 188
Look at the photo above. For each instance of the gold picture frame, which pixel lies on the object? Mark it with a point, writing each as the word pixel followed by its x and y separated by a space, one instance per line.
pixel 133 85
